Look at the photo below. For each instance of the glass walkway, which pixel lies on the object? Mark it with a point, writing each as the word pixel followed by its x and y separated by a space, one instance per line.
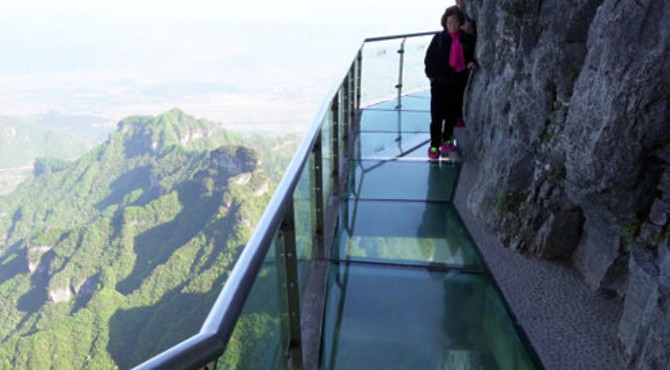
pixel 407 288
pixel 361 248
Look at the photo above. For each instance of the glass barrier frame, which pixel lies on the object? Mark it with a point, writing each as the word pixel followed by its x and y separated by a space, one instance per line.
pixel 337 118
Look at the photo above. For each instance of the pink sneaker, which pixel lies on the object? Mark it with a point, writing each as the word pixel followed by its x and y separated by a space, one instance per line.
pixel 433 153
pixel 447 147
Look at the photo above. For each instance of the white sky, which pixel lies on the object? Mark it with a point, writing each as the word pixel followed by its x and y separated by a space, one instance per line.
pixel 254 62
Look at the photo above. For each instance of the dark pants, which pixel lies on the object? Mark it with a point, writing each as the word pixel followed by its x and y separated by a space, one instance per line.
pixel 446 102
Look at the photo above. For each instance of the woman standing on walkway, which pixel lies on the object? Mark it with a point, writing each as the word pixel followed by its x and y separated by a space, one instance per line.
pixel 448 59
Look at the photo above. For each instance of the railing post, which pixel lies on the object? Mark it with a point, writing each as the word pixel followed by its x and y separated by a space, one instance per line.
pixel 401 63
pixel 349 108
pixel 318 195
pixel 335 151
pixel 288 252
pixel 359 66
pixel 344 125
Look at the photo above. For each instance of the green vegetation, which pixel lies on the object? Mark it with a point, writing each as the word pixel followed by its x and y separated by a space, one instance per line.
pixel 547 135
pixel 513 210
pixel 632 234
pixel 572 75
pixel 629 232
pixel 653 242
pixel 558 173
pixel 507 202
pixel 552 124
pixel 113 258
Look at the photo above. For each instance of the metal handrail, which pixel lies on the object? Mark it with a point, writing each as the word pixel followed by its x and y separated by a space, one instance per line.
pixel 210 343
pixel 228 306
pixel 408 35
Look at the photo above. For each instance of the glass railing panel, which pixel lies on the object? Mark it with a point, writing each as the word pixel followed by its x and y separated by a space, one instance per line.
pixel 415 233
pixel 304 203
pixel 395 121
pixel 379 71
pixel 411 318
pixel 381 65
pixel 371 179
pixel 259 340
pixel 414 76
pixel 129 329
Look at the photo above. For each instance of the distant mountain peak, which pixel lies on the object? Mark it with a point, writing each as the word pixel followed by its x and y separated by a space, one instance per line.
pixel 176 112
pixel 174 127
pixel 173 117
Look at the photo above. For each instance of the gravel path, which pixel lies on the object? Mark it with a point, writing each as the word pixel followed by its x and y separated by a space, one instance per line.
pixel 569 326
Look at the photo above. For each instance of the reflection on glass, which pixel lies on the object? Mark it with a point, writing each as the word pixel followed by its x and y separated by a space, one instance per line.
pixel 381 65
pixel 401 318
pixel 259 337
pixel 404 232
pixel 379 71
pixel 414 77
pixel 304 201
pixel 385 145
pixel 420 180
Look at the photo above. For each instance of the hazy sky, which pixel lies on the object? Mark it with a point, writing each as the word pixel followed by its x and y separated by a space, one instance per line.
pixel 252 62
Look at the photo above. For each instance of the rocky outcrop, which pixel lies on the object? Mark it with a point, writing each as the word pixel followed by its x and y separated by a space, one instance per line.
pixel 228 164
pixel 48 165
pixel 60 295
pixel 82 288
pixel 569 117
pixel 233 160
pixel 86 287
pixel 645 325
pixel 34 257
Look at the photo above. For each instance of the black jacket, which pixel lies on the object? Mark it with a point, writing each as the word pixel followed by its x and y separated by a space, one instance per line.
pixel 437 59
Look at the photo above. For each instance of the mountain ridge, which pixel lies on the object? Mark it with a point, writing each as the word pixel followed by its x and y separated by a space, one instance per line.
pixel 96 252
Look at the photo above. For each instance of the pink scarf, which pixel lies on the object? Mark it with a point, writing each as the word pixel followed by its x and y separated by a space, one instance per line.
pixel 456 57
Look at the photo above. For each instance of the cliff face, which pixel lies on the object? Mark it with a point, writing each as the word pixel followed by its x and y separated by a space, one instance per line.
pixel 569 118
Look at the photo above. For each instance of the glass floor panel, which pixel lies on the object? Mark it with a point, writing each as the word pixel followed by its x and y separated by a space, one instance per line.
pixel 410 318
pixel 415 102
pixel 386 145
pixel 416 233
pixel 395 121
pixel 421 180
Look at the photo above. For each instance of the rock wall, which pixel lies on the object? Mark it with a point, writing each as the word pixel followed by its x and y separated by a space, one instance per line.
pixel 569 117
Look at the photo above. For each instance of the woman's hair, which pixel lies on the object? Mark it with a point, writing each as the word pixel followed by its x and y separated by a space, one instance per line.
pixel 452 10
